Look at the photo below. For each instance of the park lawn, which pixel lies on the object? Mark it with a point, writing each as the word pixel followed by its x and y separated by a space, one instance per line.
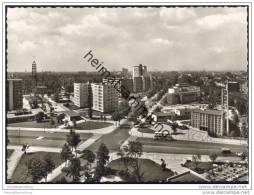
pixel 9 152
pixel 151 170
pixel 90 125
pixel 20 173
pixel 113 141
pixel 33 124
pixel 146 130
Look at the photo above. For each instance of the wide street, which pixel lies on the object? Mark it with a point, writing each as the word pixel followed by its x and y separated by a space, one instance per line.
pixel 187 147
pixel 116 138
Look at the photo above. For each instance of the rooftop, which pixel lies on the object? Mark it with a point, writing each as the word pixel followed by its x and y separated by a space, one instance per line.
pixel 189 176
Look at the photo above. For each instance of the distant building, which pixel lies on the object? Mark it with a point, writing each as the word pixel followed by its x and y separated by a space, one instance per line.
pixel 105 97
pixel 141 79
pixel 146 83
pixel 137 84
pixel 81 94
pixel 118 82
pixel 208 120
pixel 183 94
pixel 41 89
pixel 14 94
pixel 233 86
pixel 128 84
pixel 138 71
pixel 244 87
pixel 124 71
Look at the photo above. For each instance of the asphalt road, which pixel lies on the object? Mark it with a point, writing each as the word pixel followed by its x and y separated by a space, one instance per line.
pixel 186 147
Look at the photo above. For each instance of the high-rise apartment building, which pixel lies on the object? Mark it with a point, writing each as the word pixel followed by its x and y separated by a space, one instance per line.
pixel 81 94
pixel 14 94
pixel 105 97
pixel 141 80
pixel 208 120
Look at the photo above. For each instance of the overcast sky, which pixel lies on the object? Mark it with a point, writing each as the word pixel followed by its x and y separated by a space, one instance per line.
pixel 161 38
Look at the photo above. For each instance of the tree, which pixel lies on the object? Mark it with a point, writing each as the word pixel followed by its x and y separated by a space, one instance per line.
pixel 102 159
pixel 24 148
pixel 103 154
pixel 117 116
pixel 66 153
pixel 89 156
pixel 36 169
pixel 52 122
pixel 174 127
pixel 213 157
pixel 135 150
pixel 49 165
pixel 39 117
pixel 124 157
pixel 124 107
pixel 60 117
pixel 244 155
pixel 74 123
pixel 195 159
pixel 73 139
pixel 74 169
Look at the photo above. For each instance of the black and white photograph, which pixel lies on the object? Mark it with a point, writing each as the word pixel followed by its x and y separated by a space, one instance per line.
pixel 126 94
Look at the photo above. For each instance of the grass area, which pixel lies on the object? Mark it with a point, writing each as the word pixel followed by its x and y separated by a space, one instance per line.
pixel 113 140
pixel 33 124
pixel 90 125
pixel 151 170
pixel 146 130
pixel 20 174
pixel 9 152
pixel 56 139
pixel 186 147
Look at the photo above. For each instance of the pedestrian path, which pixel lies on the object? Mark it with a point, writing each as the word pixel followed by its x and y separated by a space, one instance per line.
pixel 56 172
pixel 13 161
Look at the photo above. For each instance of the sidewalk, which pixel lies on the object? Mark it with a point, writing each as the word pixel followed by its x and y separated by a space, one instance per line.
pixel 13 161
pixel 191 135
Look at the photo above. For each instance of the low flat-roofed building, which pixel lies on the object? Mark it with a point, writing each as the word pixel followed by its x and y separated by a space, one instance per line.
pixel 188 177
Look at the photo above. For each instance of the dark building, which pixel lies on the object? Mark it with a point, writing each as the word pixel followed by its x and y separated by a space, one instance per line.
pixel 14 94
pixel 233 86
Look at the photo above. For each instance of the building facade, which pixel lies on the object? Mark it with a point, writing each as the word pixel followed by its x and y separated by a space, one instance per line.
pixel 208 120
pixel 105 97
pixel 183 94
pixel 81 94
pixel 14 94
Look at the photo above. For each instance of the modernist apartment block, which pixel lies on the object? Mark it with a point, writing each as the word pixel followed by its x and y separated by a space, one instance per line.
pixel 141 79
pixel 81 94
pixel 105 97
pixel 208 120
pixel 14 94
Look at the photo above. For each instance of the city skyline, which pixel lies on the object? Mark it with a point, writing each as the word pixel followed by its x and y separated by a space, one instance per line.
pixel 59 37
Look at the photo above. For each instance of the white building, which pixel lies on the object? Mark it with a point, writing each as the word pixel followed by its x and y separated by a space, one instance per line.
pixel 105 98
pixel 81 94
